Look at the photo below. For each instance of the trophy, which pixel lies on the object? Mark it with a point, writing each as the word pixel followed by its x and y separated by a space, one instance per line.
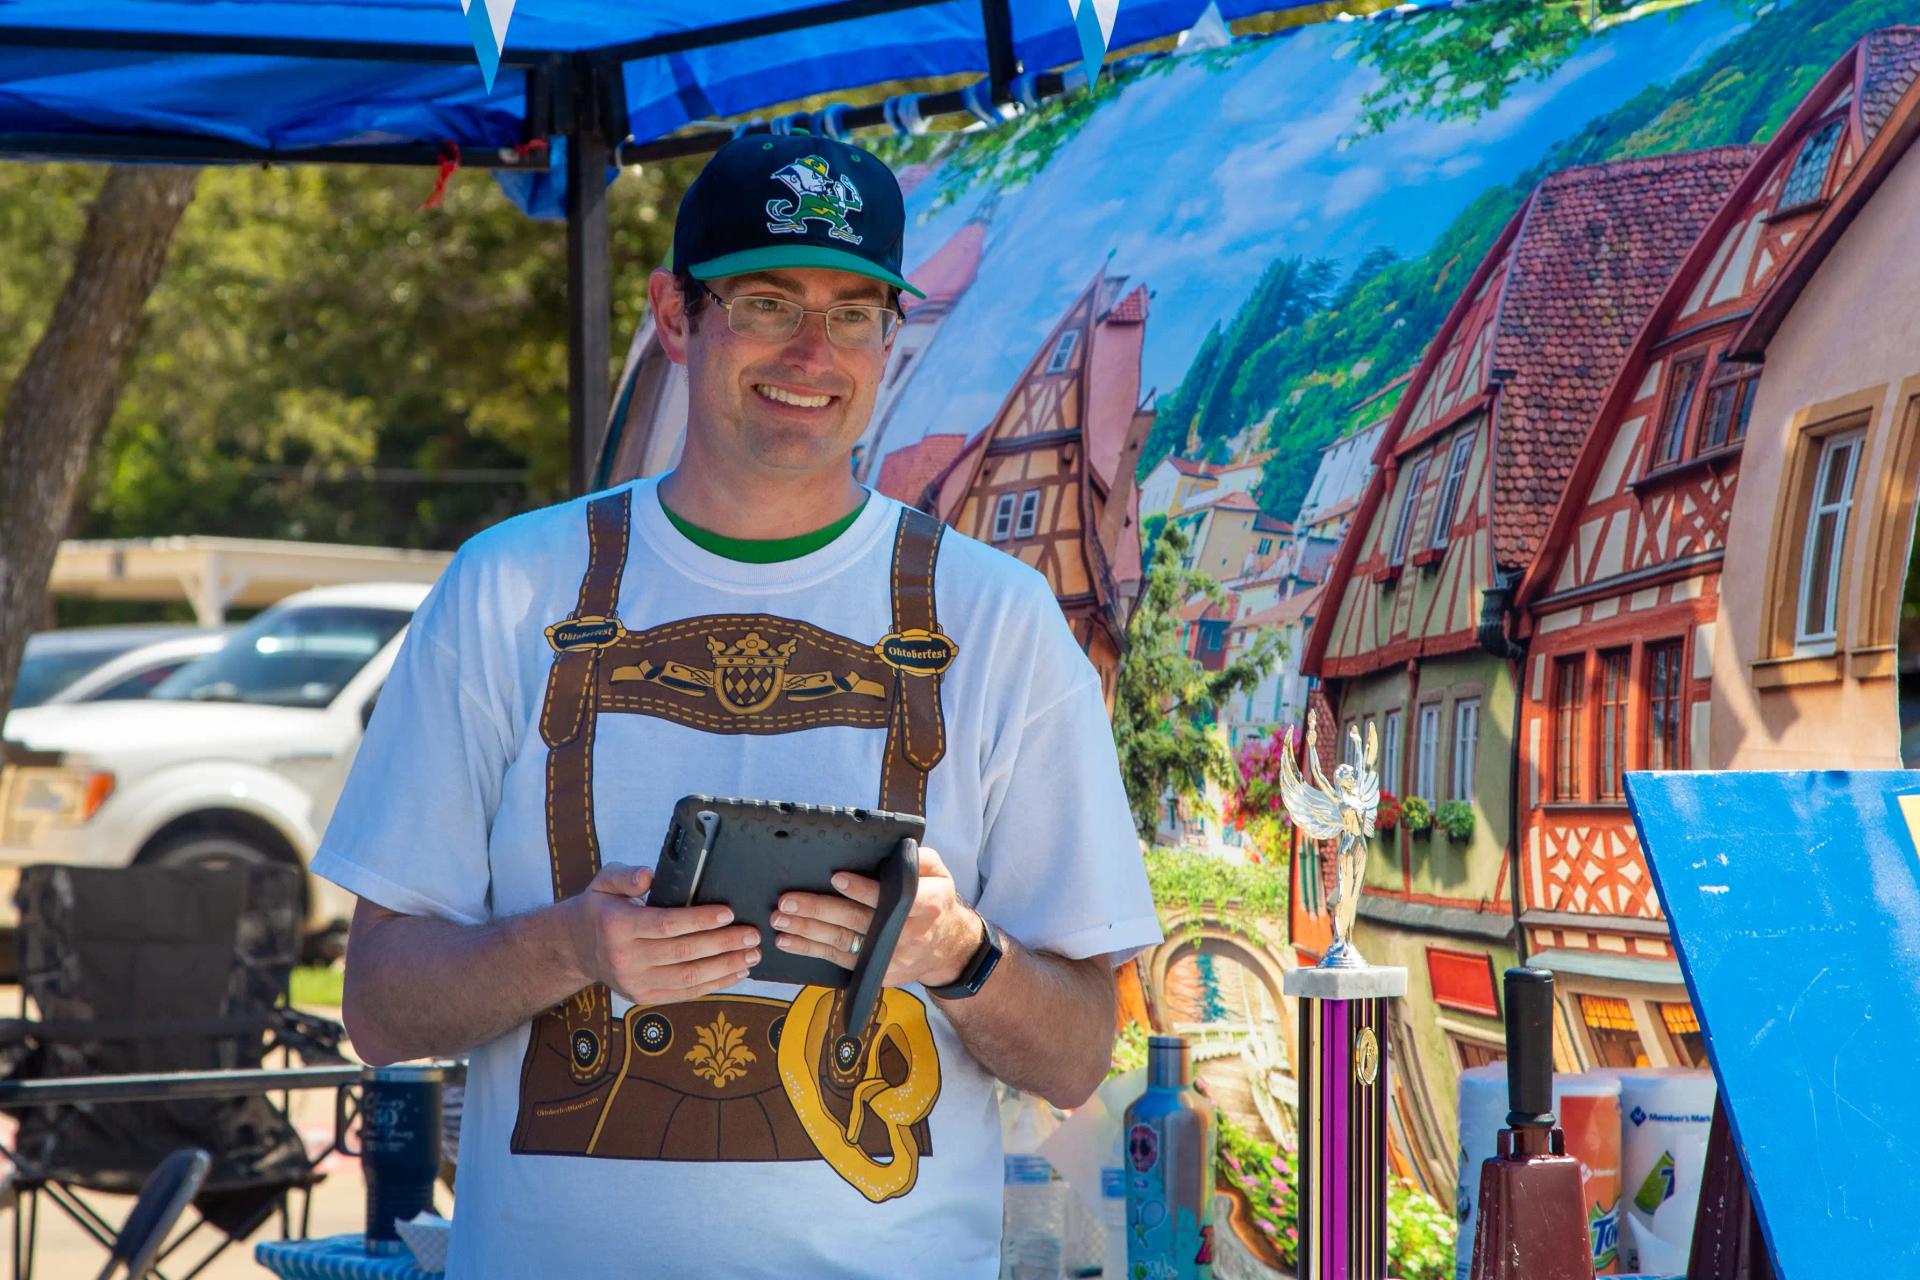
pixel 1344 1010
pixel 1340 810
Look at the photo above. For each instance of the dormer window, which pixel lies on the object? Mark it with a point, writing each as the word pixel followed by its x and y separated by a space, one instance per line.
pixel 1403 529
pixel 1808 176
pixel 1063 351
pixel 1029 514
pixel 1450 489
pixel 1003 517
pixel 1679 408
pixel 1729 406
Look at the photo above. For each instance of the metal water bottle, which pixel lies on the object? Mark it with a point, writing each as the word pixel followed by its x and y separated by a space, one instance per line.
pixel 1168 1163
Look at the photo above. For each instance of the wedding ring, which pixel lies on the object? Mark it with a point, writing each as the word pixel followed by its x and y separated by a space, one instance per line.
pixel 853 948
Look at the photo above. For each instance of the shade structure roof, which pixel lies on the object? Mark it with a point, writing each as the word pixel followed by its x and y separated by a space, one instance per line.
pixel 265 79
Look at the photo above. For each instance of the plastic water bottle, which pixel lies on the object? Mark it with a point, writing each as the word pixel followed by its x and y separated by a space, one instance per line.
pixel 1030 1242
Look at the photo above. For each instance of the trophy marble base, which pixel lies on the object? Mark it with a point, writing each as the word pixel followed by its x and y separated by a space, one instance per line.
pixel 1343 1119
pixel 1346 984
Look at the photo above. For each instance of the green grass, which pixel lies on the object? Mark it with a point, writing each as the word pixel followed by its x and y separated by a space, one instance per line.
pixel 316 987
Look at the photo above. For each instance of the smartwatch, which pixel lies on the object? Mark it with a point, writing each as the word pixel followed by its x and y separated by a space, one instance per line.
pixel 976 971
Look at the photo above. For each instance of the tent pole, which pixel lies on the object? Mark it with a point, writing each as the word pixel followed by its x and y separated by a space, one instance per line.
pixel 589 301
pixel 996 24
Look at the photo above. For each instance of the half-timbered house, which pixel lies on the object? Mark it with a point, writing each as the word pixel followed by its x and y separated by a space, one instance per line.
pixel 1412 638
pixel 1051 479
pixel 1805 674
pixel 1619 609
pixel 944 278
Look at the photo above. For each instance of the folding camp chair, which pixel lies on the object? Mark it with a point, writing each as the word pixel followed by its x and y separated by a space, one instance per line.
pixel 139 970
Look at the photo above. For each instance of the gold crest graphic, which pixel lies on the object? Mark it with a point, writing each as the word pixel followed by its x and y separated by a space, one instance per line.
pixel 748 676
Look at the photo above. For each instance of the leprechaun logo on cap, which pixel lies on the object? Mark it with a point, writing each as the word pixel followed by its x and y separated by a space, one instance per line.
pixel 820 195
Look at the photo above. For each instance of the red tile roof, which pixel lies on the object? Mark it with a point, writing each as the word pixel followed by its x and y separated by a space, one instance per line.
pixel 1264 523
pixel 1233 500
pixel 1187 467
pixel 1594 252
pixel 1202 609
pixel 905 473
pixel 1299 605
pixel 1892 60
pixel 1131 309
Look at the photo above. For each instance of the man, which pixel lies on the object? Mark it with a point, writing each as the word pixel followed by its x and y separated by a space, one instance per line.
pixel 755 624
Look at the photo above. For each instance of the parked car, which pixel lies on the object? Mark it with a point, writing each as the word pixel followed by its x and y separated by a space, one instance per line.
pixel 54 661
pixel 237 756
pixel 138 673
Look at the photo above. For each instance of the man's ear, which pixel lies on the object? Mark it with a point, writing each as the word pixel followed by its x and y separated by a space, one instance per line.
pixel 669 314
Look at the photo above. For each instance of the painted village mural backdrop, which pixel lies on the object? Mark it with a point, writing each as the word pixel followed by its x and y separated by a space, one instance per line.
pixel 1547 377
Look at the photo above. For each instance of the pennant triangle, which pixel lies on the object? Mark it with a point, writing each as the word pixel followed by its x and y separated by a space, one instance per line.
pixel 487 26
pixel 1093 21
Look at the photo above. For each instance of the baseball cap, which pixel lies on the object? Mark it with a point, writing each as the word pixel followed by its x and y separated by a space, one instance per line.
pixel 765 202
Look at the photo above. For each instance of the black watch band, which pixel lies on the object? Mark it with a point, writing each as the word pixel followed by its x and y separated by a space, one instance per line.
pixel 974 974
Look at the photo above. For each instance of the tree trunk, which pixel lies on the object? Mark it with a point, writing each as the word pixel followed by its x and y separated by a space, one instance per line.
pixel 71 382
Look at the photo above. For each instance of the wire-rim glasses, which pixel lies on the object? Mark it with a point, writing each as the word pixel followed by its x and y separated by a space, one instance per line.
pixel 853 326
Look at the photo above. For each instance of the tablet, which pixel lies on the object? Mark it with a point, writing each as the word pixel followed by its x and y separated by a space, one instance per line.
pixel 744 854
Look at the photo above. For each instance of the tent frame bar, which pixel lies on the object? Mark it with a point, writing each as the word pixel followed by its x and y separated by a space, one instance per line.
pixel 175 42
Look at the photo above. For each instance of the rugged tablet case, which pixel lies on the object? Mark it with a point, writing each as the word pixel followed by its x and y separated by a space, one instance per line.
pixel 746 853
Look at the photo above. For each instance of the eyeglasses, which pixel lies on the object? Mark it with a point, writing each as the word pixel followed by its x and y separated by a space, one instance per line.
pixel 854 326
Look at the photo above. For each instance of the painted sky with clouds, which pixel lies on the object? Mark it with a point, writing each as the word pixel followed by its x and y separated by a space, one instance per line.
pixel 1198 178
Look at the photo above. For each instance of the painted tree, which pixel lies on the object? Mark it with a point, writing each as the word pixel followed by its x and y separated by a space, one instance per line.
pixel 1164 701
pixel 67 390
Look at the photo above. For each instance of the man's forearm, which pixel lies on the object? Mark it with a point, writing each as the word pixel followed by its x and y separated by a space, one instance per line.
pixel 419 987
pixel 1042 1023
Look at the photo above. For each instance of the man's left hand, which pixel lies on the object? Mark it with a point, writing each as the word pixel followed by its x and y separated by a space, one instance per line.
pixel 940 936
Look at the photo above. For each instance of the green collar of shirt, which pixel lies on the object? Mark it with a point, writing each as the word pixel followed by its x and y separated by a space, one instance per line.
pixel 763 550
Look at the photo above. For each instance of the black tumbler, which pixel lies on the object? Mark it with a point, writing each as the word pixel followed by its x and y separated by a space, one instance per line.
pixel 399 1148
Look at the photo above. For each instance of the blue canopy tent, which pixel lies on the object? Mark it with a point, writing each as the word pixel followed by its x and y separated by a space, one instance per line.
pixel 398 82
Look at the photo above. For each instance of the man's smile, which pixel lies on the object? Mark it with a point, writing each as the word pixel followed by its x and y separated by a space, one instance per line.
pixel 792 397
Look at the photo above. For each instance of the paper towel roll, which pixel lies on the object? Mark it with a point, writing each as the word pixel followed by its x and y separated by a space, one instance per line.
pixel 1587 1107
pixel 1482 1115
pixel 1664 1118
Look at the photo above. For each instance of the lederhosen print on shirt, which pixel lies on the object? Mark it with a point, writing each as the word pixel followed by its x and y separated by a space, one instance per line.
pixel 736 1077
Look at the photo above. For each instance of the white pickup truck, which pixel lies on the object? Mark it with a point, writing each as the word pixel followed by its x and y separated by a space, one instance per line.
pixel 238 756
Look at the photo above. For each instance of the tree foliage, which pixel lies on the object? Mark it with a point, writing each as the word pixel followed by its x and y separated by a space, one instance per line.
pixel 325 358
pixel 1165 701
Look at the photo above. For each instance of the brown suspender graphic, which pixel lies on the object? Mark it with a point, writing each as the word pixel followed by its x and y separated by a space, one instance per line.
pixel 715 1079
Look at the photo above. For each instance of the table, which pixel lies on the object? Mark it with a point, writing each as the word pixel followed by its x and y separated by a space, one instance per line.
pixel 336 1258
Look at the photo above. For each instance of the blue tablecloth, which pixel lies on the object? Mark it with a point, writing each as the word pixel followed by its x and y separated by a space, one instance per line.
pixel 336 1258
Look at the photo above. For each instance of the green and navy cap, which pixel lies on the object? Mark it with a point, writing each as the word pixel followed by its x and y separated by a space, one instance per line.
pixel 765 202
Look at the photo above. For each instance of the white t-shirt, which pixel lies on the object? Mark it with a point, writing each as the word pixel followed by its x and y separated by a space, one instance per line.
pixel 443 815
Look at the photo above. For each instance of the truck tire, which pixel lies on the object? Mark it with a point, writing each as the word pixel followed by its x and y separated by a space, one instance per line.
pixel 214 847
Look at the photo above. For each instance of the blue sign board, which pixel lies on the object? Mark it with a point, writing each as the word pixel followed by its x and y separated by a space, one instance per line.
pixel 1794 900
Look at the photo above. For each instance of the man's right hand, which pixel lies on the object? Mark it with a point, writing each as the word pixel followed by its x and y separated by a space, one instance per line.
pixel 655 955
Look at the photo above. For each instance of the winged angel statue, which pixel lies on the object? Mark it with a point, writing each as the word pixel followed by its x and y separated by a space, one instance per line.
pixel 1343 809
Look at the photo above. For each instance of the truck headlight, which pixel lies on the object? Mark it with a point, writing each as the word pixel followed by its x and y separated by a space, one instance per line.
pixel 35 799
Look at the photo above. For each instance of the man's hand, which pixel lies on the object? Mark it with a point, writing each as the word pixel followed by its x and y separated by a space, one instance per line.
pixel 940 936
pixel 654 955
